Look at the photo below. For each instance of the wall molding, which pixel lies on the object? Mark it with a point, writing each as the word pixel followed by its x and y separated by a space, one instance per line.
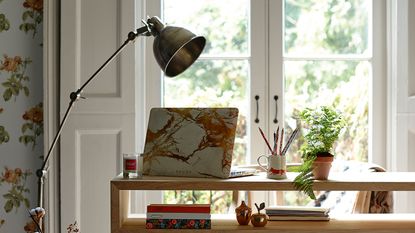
pixel 51 61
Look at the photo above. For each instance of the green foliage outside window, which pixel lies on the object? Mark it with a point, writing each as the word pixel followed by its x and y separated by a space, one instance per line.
pixel 312 28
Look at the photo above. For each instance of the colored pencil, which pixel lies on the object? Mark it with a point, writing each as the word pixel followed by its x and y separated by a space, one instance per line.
pixel 282 140
pixel 290 140
pixel 265 139
pixel 276 142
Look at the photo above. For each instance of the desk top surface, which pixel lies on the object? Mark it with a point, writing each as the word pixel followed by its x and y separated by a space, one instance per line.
pixel 369 181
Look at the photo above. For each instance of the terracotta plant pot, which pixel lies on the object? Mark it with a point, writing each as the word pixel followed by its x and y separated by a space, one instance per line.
pixel 321 167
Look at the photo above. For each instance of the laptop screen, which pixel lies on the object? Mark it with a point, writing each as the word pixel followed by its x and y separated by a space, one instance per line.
pixel 193 142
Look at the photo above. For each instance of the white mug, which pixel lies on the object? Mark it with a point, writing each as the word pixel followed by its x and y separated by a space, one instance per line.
pixel 276 166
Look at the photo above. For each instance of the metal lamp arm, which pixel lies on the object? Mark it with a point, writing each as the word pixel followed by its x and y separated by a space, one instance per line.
pixel 74 96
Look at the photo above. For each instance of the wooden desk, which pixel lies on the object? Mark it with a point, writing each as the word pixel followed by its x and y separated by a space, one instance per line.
pixel 368 223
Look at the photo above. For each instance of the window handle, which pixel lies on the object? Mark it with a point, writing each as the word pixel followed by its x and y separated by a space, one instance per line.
pixel 257 108
pixel 276 109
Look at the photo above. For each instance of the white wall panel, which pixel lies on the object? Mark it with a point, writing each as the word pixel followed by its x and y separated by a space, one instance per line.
pixel 92 30
pixel 401 42
pixel 95 173
pixel 99 39
pixel 411 53
pixel 401 159
pixel 411 159
pixel 405 153
pixel 411 148
pixel 91 155
pixel 101 127
pixel 402 101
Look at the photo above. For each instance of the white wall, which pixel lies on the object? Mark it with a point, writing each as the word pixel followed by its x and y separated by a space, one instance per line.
pixel 401 93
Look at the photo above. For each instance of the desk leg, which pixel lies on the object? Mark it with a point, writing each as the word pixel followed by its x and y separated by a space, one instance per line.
pixel 119 208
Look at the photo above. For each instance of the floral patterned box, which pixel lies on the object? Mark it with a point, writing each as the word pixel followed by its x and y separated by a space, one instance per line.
pixel 178 223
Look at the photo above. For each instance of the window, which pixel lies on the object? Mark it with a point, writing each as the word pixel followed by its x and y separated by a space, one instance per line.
pixel 220 78
pixel 292 54
pixel 327 56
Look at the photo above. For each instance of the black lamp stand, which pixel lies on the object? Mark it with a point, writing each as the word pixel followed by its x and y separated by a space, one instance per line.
pixel 175 49
pixel 76 95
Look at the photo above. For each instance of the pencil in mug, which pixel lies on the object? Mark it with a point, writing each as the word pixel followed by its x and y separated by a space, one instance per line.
pixel 290 140
pixel 265 139
pixel 275 152
pixel 282 139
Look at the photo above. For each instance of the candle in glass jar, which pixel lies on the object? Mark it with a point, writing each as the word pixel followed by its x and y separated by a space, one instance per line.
pixel 129 164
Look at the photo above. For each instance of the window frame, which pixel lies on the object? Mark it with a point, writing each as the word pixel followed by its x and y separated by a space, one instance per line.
pixel 263 53
pixel 263 75
pixel 376 56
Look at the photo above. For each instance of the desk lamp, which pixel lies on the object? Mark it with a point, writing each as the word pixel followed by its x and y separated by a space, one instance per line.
pixel 174 48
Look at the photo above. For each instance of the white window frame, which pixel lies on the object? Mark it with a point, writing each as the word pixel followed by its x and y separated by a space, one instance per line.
pixel 378 95
pixel 259 67
pixel 146 66
pixel 51 109
pixel 263 75
pixel 377 89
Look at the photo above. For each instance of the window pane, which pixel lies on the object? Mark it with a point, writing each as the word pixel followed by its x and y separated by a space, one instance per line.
pixel 326 27
pixel 223 23
pixel 209 83
pixel 214 83
pixel 343 84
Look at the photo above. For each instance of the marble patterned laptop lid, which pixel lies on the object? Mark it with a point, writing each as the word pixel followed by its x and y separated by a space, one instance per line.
pixel 191 142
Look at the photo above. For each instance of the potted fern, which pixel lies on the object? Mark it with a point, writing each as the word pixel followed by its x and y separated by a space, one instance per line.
pixel 323 125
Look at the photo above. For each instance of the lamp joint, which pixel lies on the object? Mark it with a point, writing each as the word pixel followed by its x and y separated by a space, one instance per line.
pixel 132 35
pixel 40 173
pixel 74 96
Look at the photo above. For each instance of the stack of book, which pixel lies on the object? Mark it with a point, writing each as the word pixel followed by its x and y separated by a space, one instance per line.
pixel 178 216
pixel 300 213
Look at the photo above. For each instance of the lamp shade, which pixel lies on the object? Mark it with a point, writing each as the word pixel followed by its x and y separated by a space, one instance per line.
pixel 174 48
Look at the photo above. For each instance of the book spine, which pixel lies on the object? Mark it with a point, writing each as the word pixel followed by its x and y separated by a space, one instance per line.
pixel 178 224
pixel 178 209
pixel 167 215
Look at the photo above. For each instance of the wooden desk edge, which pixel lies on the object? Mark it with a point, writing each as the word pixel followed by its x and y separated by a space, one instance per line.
pixel 381 181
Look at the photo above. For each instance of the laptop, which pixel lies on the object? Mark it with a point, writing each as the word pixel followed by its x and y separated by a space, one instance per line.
pixel 191 142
